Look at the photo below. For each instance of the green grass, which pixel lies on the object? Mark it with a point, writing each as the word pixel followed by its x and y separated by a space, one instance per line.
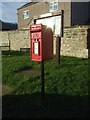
pixel 69 78
pixel 66 87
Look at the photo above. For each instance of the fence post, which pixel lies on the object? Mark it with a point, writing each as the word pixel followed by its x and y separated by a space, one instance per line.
pixel 58 47
pixel 9 45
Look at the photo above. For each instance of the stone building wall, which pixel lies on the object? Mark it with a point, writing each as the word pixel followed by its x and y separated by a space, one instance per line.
pixel 42 8
pixel 76 41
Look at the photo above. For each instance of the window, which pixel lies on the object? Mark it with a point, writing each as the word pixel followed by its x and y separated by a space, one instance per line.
pixel 53 6
pixel 26 14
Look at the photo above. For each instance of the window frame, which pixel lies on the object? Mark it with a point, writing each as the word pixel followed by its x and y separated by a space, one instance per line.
pixel 52 6
pixel 24 14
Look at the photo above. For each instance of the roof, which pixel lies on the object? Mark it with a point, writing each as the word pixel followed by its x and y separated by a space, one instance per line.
pixel 1 21
pixel 7 26
pixel 27 4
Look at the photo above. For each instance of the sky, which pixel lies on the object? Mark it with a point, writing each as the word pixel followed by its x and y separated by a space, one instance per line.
pixel 8 8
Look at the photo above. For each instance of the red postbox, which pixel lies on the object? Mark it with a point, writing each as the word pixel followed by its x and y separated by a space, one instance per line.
pixel 41 42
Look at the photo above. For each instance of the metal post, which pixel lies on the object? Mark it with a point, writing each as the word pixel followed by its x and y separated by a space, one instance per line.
pixel 58 44
pixel 42 81
pixel 9 45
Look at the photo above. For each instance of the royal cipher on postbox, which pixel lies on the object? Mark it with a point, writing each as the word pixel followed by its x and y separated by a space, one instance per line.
pixel 41 42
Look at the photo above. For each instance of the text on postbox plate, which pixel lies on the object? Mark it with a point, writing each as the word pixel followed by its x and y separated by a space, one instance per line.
pixel 36 35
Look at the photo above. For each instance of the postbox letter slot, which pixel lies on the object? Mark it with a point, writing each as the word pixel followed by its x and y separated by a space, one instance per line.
pixel 36 39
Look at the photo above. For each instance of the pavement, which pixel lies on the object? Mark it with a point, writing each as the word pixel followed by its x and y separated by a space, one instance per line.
pixel 4 89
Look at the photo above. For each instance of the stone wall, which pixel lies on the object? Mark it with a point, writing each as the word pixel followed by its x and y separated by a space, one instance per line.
pixel 76 41
pixel 18 39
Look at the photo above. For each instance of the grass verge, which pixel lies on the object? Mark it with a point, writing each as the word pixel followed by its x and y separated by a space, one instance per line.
pixel 69 78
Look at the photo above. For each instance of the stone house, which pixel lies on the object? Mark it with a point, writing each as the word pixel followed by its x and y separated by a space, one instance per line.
pixel 75 13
